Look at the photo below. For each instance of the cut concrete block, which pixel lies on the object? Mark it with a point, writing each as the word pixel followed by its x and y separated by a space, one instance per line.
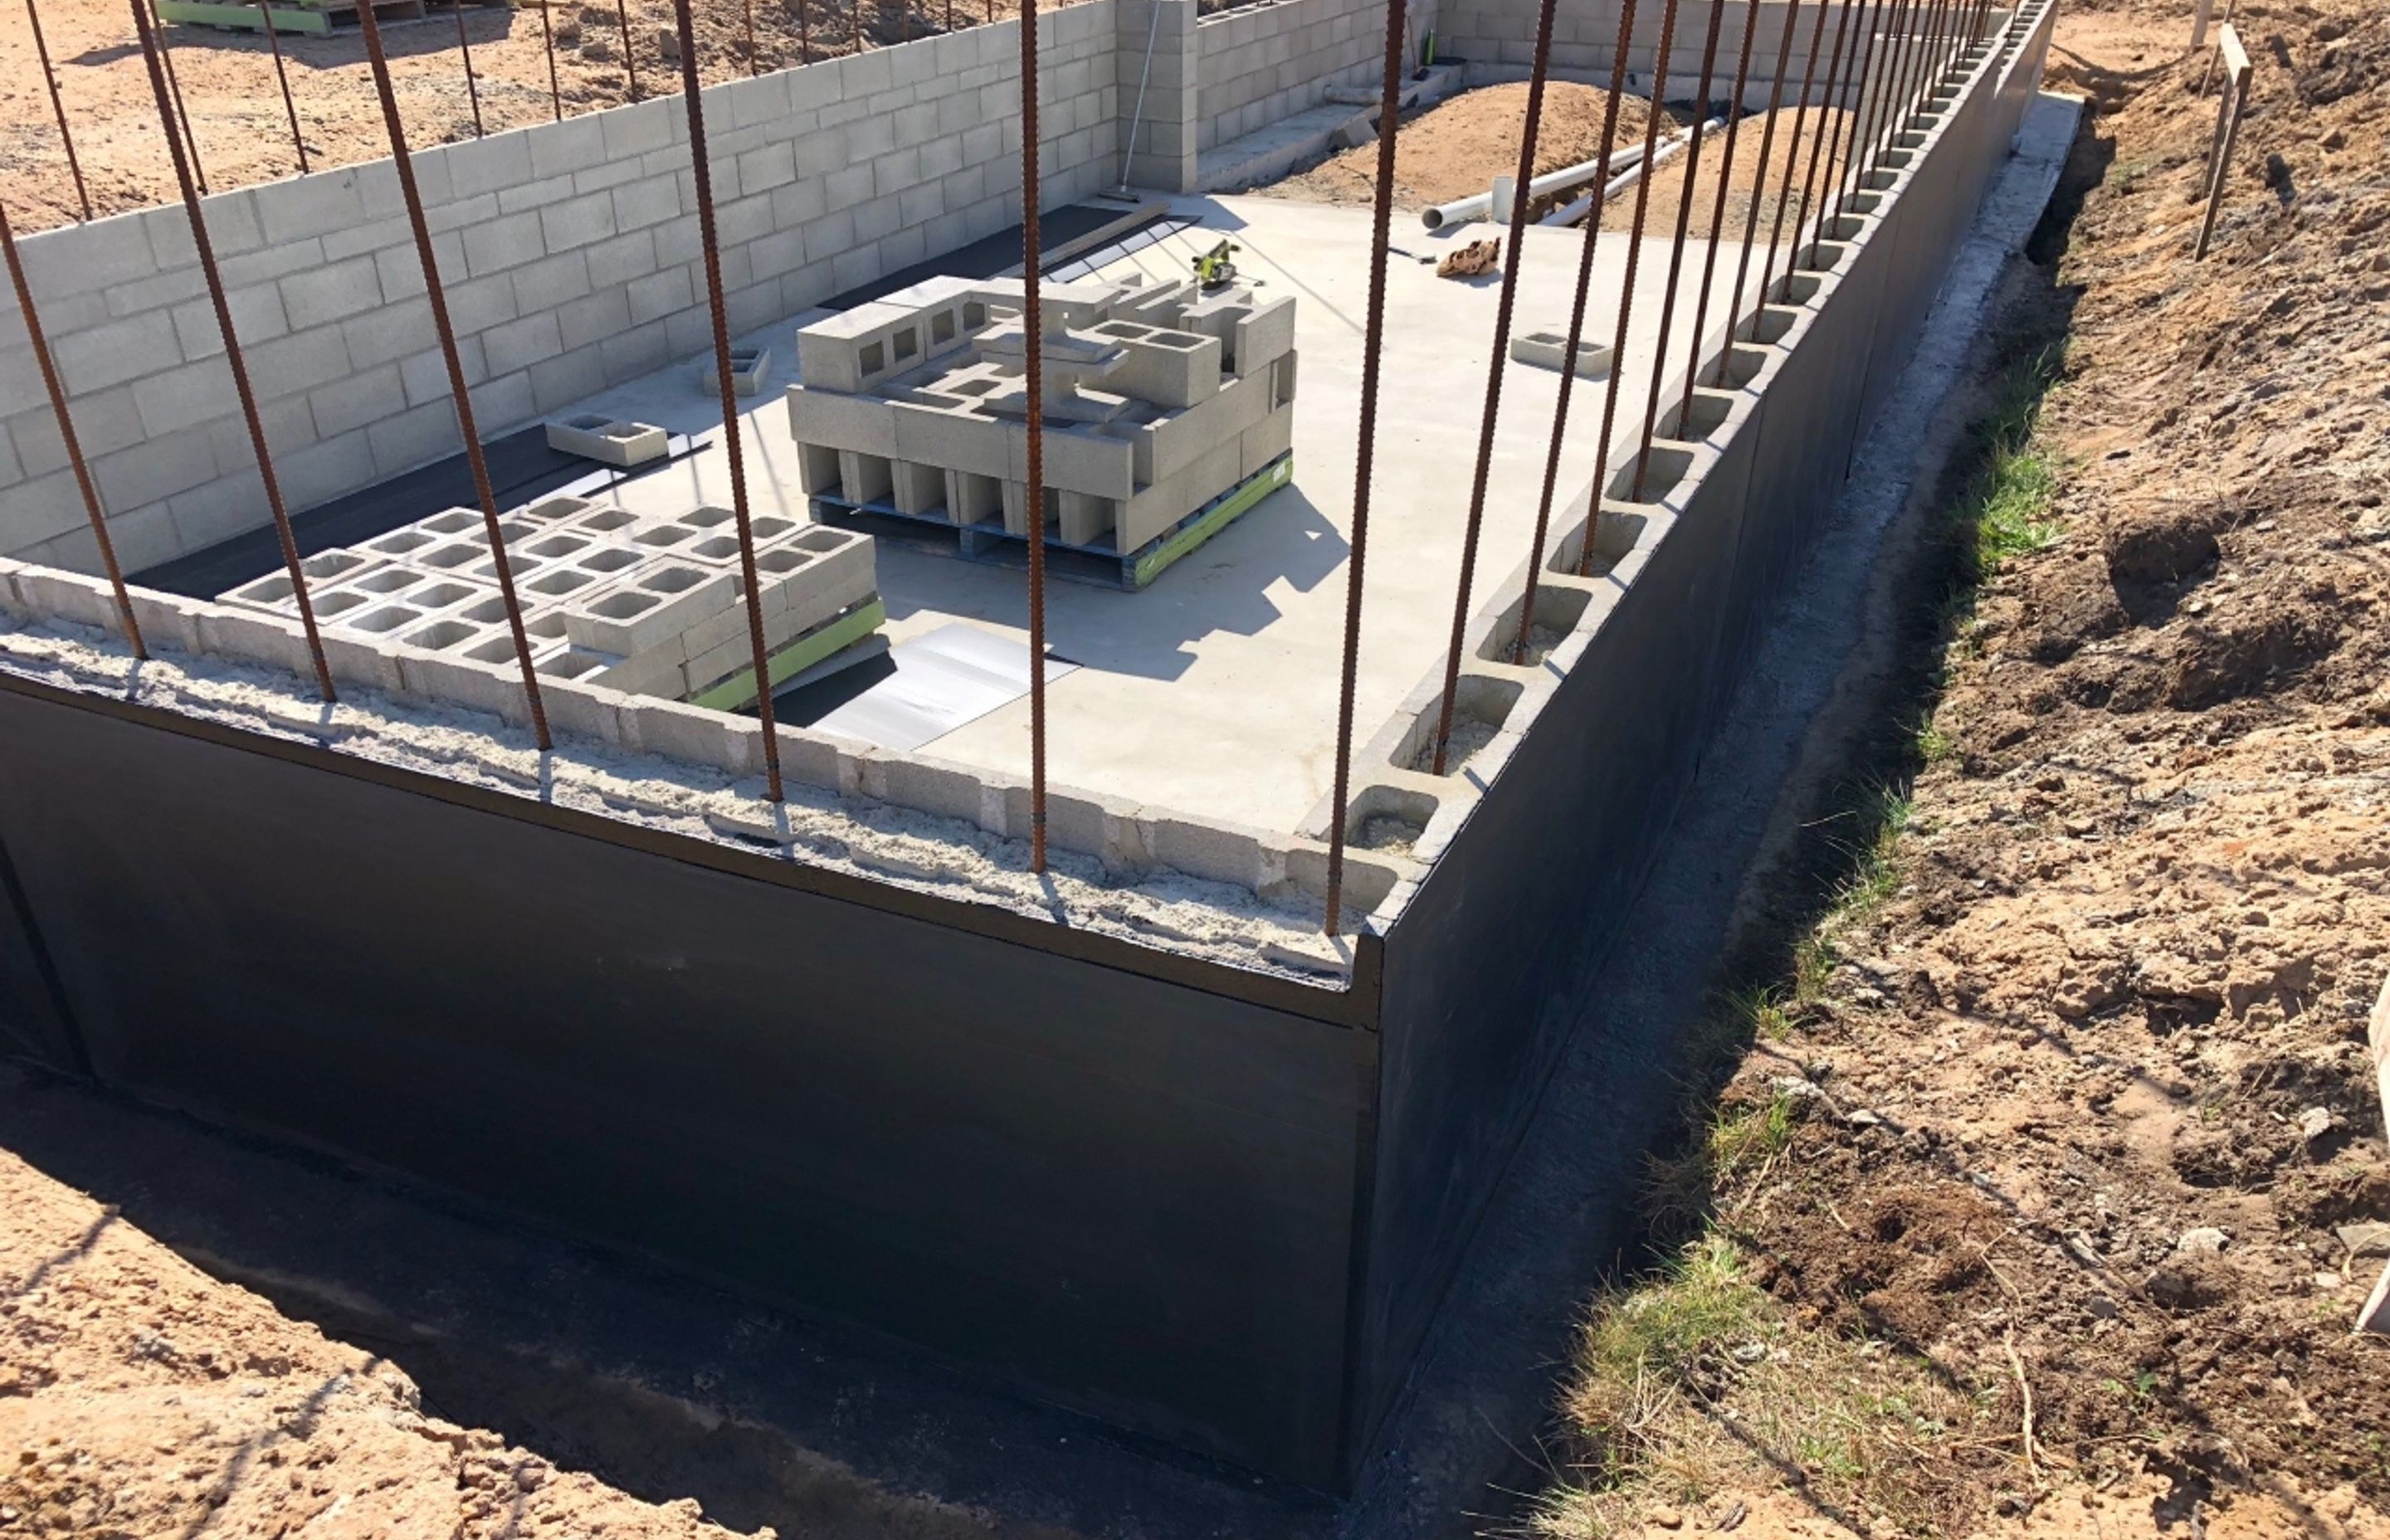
pixel 749 366
pixel 594 436
pixel 1549 350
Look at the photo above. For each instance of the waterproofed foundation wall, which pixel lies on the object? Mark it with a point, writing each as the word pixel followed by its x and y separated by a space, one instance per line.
pixel 1205 1203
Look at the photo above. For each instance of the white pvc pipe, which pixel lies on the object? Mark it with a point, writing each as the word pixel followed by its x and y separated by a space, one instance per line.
pixel 1570 214
pixel 1480 205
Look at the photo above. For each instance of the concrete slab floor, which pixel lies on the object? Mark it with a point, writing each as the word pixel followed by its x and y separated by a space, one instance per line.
pixel 1213 692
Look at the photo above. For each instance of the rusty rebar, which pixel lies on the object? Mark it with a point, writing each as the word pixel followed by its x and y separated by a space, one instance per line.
pixel 630 64
pixel 464 47
pixel 1843 149
pixel 804 32
pixel 404 162
pixel 1626 289
pixel 1676 250
pixel 1826 131
pixel 1874 107
pixel 67 435
pixel 289 109
pixel 1373 334
pixel 547 39
pixel 1758 191
pixel 701 167
pixel 751 62
pixel 1033 338
pixel 1792 150
pixel 1717 215
pixel 1899 91
pixel 57 107
pixel 1576 340
pixel 1497 357
pixel 207 253
pixel 182 114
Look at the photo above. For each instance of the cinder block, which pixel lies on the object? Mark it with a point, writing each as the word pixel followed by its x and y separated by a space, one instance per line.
pixel 677 731
pixel 597 437
pixel 657 603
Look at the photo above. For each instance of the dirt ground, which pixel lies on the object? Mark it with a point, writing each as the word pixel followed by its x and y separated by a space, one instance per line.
pixel 138 1396
pixel 2052 1181
pixel 229 87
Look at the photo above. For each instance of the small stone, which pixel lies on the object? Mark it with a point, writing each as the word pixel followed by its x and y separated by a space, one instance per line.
pixel 2103 1307
pixel 2370 1240
pixel 2314 1123
pixel 2326 1281
pixel 1667 1518
pixel 2205 1240
pixel 668 42
pixel 1863 1118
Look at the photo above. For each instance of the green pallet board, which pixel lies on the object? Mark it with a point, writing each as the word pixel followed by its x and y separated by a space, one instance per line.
pixel 738 690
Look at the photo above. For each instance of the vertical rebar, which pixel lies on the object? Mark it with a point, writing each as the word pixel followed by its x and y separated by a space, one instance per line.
pixel 1759 188
pixel 701 169
pixel 402 161
pixel 57 107
pixel 1676 247
pixel 1498 356
pixel 752 61
pixel 151 56
pixel 950 15
pixel 1033 337
pixel 547 39
pixel 1844 150
pixel 1793 149
pixel 630 65
pixel 1576 340
pixel 804 32
pixel 66 436
pixel 465 46
pixel 289 109
pixel 1717 215
pixel 1827 129
pixel 1900 88
pixel 1875 107
pixel 182 114
pixel 1626 290
pixel 1373 332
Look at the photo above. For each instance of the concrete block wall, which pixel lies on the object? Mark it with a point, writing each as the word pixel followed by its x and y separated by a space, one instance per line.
pixel 570 255
pixel 1259 63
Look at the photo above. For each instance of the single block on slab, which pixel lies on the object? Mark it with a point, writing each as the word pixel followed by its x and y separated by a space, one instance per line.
pixel 1549 350
pixel 594 436
pixel 748 368
pixel 649 608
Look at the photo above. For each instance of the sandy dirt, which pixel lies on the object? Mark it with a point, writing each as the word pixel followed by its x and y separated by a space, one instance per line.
pixel 139 1396
pixel 2085 1151
pixel 230 91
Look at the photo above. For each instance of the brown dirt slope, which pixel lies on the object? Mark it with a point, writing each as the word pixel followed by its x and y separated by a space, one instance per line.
pixel 138 1396
pixel 2057 1174
pixel 229 87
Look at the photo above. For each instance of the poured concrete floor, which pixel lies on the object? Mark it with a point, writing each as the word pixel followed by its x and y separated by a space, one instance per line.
pixel 1213 692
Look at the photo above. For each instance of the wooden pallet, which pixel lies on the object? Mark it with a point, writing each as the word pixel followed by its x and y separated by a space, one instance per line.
pixel 1099 563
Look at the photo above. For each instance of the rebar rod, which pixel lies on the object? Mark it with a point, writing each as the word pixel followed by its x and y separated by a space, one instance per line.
pixel 66 436
pixel 150 54
pixel 752 61
pixel 1627 287
pixel 1845 147
pixel 1498 356
pixel 1875 109
pixel 1568 355
pixel 58 108
pixel 804 32
pixel 465 46
pixel 1827 129
pixel 630 64
pixel 1759 190
pixel 701 169
pixel 1792 150
pixel 289 109
pixel 1033 337
pixel 548 37
pixel 1902 89
pixel 1677 252
pixel 1373 333
pixel 182 114
pixel 500 563
pixel 1717 215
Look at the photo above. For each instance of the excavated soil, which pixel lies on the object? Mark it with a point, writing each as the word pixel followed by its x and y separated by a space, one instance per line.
pixel 230 91
pixel 2085 1119
pixel 139 1396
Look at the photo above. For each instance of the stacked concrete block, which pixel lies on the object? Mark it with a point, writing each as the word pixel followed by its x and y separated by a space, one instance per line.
pixel 1157 399
pixel 570 259
pixel 646 606
pixel 1257 64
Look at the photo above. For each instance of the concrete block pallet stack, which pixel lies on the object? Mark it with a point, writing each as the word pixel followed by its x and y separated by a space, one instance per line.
pixel 646 606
